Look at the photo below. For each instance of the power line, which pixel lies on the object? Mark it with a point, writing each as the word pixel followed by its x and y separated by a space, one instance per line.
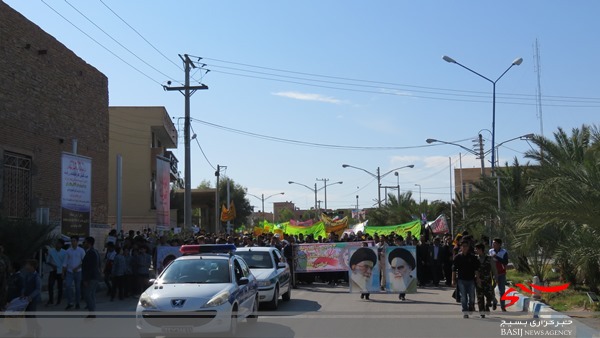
pixel 141 36
pixel 392 91
pixel 199 146
pixel 116 41
pixel 101 45
pixel 304 143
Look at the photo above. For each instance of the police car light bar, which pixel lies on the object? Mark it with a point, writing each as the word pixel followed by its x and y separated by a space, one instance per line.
pixel 206 248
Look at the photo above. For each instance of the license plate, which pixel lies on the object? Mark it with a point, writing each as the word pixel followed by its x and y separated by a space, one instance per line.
pixel 177 329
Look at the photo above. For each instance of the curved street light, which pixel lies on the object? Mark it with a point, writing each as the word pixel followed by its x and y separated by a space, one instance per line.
pixel 378 176
pixel 309 188
pixel 516 62
pixel 263 199
pixel 325 180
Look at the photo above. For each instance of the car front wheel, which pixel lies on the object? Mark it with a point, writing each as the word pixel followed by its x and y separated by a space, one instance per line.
pixel 274 303
pixel 253 318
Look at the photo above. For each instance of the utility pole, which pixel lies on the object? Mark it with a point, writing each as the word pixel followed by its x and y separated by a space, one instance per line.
pixel 187 92
pixel 481 156
pixel 217 204
pixel 324 180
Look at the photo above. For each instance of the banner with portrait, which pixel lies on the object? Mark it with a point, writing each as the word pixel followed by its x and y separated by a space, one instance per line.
pixel 400 269
pixel 324 257
pixel 363 270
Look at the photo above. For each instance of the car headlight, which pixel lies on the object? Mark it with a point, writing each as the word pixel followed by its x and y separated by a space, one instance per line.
pixel 219 299
pixel 264 283
pixel 146 301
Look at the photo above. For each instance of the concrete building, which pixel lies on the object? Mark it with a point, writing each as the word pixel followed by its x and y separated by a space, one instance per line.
pixel 139 134
pixel 48 98
pixel 466 178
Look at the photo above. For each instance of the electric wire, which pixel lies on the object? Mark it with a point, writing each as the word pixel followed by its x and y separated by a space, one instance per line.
pixel 117 42
pixel 141 36
pixel 202 150
pixel 362 82
pixel 305 143
pixel 101 45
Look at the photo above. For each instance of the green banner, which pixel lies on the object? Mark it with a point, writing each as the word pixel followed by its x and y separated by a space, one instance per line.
pixel 317 229
pixel 414 227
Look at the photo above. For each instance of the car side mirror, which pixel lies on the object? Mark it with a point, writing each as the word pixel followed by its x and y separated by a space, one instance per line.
pixel 281 265
pixel 243 281
pixel 151 281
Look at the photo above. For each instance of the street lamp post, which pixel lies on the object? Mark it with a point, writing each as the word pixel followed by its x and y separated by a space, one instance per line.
pixel 418 185
pixel 309 188
pixel 516 62
pixel 378 176
pixel 398 184
pixel 263 199
pixel 325 180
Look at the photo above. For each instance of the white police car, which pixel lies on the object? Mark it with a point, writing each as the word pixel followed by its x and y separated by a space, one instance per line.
pixel 271 271
pixel 199 293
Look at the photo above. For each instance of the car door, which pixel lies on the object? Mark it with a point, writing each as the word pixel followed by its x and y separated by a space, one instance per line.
pixel 283 274
pixel 241 270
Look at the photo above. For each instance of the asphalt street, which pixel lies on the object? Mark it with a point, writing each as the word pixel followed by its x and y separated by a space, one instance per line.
pixel 316 310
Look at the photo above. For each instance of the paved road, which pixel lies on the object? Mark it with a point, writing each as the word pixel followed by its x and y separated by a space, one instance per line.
pixel 317 310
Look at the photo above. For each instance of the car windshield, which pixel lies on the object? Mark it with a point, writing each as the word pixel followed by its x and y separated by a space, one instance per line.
pixel 197 271
pixel 257 259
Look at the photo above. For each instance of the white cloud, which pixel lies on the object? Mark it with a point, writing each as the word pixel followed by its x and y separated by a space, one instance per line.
pixel 309 97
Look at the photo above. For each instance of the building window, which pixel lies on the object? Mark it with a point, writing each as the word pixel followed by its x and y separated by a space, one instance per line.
pixel 16 192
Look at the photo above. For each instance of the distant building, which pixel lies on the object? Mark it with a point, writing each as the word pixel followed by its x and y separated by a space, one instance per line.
pixel 466 178
pixel 48 98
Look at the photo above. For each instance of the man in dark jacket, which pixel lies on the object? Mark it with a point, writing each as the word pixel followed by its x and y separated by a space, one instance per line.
pixel 90 274
pixel 466 273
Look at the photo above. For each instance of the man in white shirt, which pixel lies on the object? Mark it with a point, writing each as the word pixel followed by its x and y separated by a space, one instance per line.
pixel 72 271
pixel 56 258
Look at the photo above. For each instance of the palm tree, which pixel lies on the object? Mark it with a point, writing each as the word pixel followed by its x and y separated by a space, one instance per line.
pixel 564 198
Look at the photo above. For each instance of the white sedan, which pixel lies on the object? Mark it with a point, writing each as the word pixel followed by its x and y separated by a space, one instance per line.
pixel 271 271
pixel 202 293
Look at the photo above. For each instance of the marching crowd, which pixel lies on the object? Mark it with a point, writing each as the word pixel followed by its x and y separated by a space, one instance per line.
pixel 125 263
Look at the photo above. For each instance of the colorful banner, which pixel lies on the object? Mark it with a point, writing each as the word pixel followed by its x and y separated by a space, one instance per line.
pixel 363 270
pixel 324 257
pixel 76 195
pixel 227 214
pixel 316 230
pixel 439 226
pixel 414 227
pixel 162 192
pixel 302 223
pixel 401 269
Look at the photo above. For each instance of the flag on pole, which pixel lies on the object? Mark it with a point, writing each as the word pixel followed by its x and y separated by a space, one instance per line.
pixel 228 214
pixel 440 225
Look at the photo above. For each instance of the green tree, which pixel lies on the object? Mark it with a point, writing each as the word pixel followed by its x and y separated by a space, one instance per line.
pixel 564 195
pixel 23 238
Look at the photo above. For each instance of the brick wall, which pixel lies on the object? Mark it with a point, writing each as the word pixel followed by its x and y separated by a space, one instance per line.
pixel 48 97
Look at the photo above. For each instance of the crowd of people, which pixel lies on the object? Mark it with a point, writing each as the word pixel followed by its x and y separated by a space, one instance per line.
pixel 125 263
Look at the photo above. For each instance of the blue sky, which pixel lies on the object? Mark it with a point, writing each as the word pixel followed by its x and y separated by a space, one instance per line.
pixel 378 80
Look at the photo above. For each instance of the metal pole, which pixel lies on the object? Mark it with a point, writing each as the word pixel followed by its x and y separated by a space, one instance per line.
pixel 494 127
pixel 398 183
pixel 217 202
pixel 228 206
pixel 187 211
pixel 451 198
pixel 263 206
pixel 74 146
pixel 378 188
pixel 315 198
pixel 119 193
pixel 462 187
pixel 325 181
pixel 481 155
pixel 357 206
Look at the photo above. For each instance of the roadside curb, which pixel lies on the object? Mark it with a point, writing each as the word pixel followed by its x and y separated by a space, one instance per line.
pixel 540 310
